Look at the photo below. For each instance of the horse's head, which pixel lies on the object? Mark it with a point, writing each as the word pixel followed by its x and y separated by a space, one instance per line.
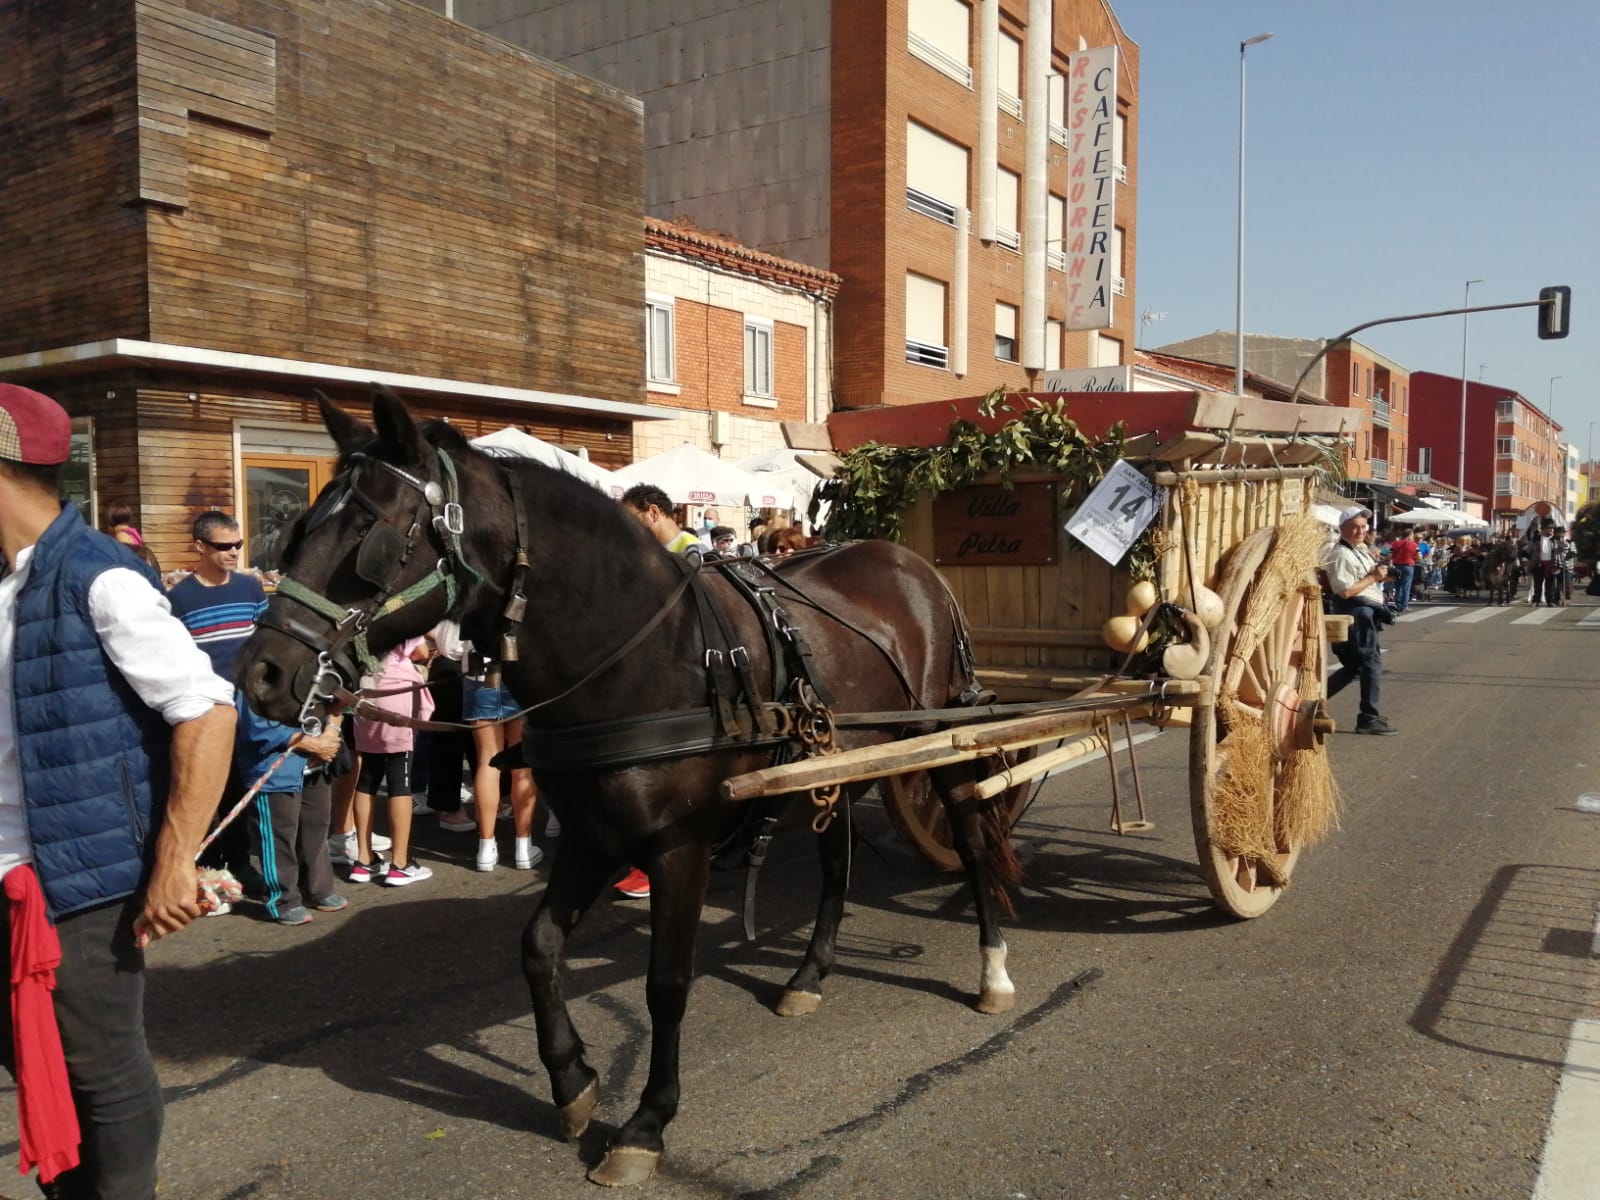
pixel 377 558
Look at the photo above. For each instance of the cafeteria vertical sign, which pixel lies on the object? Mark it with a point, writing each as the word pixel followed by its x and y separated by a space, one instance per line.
pixel 1091 185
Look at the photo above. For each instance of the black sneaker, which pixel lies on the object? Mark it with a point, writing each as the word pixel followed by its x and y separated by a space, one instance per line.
pixel 1377 726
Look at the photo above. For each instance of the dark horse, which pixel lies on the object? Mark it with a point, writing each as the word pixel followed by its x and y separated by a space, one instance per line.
pixel 417 526
pixel 1501 572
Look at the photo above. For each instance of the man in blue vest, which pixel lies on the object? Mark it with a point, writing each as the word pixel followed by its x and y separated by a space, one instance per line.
pixel 115 736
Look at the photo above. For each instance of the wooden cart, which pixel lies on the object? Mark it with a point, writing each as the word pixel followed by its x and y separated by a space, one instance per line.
pixel 1235 472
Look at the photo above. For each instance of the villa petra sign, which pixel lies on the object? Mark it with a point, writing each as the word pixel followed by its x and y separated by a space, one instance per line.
pixel 1091 186
pixel 993 526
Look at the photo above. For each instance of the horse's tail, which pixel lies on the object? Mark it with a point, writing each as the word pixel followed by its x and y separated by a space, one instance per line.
pixel 1005 868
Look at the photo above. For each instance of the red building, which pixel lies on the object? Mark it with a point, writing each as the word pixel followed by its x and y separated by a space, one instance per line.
pixel 1512 447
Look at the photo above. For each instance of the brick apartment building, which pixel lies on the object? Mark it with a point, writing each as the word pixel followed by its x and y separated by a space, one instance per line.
pixel 915 147
pixel 1514 452
pixel 215 207
pixel 736 341
pixel 1376 390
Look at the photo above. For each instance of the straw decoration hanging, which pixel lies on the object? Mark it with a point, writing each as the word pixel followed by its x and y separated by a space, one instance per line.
pixel 1259 803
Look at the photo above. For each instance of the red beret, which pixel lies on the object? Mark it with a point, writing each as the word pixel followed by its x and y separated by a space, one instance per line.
pixel 33 428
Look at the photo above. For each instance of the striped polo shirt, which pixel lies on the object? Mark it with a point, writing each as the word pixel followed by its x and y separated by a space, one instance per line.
pixel 220 618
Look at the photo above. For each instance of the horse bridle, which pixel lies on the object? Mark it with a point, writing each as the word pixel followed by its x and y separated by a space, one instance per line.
pixel 379 561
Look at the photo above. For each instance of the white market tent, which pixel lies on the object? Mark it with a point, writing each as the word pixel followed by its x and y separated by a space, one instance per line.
pixel 782 471
pixel 1452 518
pixel 511 442
pixel 689 475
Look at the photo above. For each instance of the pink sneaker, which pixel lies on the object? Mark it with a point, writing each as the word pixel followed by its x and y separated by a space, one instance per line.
pixel 635 885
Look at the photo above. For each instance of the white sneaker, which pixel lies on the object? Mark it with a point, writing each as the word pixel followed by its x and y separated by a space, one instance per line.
pixel 420 807
pixel 342 849
pixel 528 857
pixel 409 874
pixel 488 855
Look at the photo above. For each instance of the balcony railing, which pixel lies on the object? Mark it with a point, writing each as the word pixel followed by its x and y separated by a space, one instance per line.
pixel 1011 104
pixel 1380 468
pixel 925 354
pixel 1380 411
pixel 930 206
pixel 939 60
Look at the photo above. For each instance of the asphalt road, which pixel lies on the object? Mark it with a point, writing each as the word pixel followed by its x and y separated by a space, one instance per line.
pixel 1394 1027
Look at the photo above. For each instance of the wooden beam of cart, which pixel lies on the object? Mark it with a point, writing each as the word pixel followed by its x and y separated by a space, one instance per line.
pixel 942 748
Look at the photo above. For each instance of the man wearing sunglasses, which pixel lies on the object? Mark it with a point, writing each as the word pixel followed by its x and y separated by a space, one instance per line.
pixel 218 603
pixel 219 606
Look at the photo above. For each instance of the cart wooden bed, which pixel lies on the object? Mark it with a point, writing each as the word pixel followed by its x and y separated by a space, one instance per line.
pixel 1234 470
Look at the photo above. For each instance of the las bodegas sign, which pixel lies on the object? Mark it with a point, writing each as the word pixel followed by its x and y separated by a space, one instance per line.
pixel 1091 186
pixel 993 526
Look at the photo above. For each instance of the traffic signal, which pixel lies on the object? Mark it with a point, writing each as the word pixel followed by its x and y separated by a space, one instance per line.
pixel 1555 311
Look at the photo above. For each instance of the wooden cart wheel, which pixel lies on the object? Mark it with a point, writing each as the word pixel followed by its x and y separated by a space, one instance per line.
pixel 915 809
pixel 1267 683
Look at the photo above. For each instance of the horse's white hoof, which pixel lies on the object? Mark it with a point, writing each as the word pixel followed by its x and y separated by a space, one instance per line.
pixel 575 1115
pixel 625 1166
pixel 798 1004
pixel 992 1002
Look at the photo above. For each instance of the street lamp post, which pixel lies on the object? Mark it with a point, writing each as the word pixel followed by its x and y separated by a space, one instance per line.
pixel 1554 446
pixel 1238 264
pixel 1461 452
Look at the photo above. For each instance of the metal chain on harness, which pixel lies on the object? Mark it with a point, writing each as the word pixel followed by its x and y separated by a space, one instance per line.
pixel 814 728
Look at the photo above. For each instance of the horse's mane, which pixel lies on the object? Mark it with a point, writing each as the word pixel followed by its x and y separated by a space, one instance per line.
pixel 582 505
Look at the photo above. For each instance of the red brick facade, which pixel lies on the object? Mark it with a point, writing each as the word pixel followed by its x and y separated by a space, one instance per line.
pixel 877 87
pixel 1378 393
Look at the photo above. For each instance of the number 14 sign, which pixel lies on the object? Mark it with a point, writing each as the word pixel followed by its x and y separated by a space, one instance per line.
pixel 1112 517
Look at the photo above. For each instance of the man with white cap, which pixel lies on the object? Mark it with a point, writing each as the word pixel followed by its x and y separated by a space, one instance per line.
pixel 115 735
pixel 1356 579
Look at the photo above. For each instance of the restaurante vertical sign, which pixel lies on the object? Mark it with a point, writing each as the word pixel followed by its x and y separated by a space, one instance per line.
pixel 1091 186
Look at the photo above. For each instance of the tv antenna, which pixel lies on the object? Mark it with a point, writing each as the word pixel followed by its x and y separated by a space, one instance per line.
pixel 1146 317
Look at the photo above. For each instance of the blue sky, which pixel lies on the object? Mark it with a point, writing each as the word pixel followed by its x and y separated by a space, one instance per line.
pixel 1394 150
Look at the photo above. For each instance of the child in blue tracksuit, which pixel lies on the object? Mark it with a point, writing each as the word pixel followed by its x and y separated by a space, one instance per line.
pixel 288 819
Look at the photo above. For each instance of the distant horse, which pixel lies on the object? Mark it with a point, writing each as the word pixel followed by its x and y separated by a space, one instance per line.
pixel 1501 573
pixel 609 647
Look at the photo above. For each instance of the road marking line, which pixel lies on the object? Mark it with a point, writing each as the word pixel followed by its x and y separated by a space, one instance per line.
pixel 1569 1169
pixel 1422 614
pixel 1477 614
pixel 1592 619
pixel 1537 617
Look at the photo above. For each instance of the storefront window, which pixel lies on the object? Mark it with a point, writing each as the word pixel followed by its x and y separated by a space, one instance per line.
pixel 77 476
pixel 276 493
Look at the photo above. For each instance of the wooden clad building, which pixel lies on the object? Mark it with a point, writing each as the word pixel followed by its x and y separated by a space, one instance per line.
pixel 216 207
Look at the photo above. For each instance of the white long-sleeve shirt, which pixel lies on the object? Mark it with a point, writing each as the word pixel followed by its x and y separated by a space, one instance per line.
pixel 144 641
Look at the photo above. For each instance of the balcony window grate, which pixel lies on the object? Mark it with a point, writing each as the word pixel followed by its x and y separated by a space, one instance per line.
pixel 936 58
pixel 925 354
pixel 930 206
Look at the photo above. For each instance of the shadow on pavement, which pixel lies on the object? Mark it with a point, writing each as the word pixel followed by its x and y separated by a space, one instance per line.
pixel 1520 970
